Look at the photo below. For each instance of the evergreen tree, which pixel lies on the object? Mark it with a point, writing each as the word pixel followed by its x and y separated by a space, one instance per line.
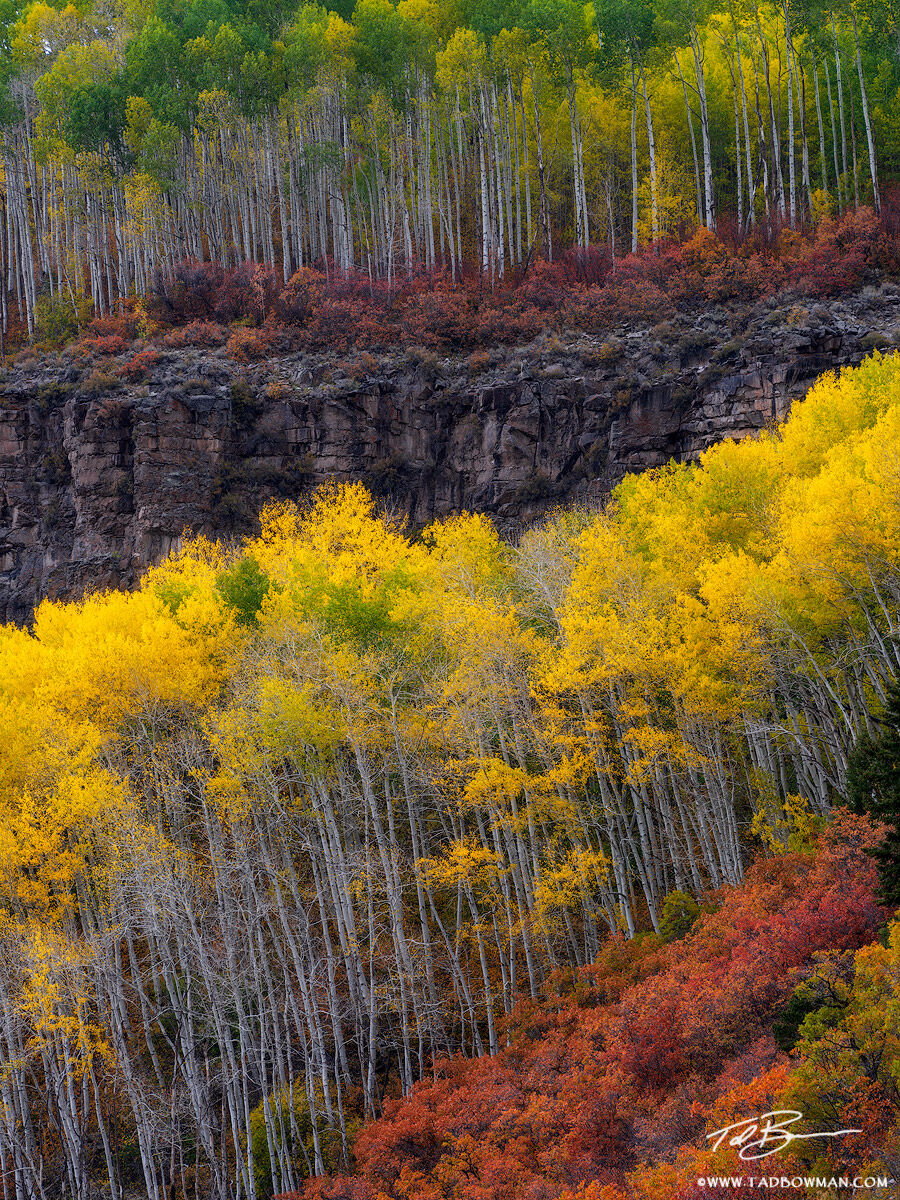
pixel 873 786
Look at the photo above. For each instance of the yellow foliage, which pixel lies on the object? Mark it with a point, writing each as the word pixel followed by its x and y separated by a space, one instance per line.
pixel 525 702
pixel 783 827
pixel 464 863
pixel 564 884
pixel 75 65
pixel 118 656
pixel 42 32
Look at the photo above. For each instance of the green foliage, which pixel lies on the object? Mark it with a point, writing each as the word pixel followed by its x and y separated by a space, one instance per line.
pixel 786 1026
pixel 58 320
pixel 559 27
pixel 173 593
pixel 306 47
pixel 10 109
pixel 383 46
pixel 282 1121
pixel 245 404
pixel 293 1121
pixel 489 17
pixel 243 588
pixel 95 114
pixel 783 825
pixel 873 786
pixel 677 916
pixel 156 71
pixel 159 154
pixel 353 613
pixel 847 1057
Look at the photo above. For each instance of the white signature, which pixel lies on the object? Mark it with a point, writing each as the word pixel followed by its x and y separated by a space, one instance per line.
pixel 767 1134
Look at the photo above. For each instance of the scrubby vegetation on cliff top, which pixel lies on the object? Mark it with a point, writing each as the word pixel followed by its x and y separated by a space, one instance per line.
pixel 463 139
pixel 290 822
pixel 251 314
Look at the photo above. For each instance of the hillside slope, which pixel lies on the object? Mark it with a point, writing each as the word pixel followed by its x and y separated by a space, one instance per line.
pixel 298 817
pixel 608 1084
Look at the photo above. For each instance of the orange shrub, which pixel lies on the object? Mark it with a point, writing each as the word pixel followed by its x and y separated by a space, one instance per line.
pixel 122 325
pixel 197 333
pixel 136 368
pixel 113 343
pixel 248 345
pixel 300 296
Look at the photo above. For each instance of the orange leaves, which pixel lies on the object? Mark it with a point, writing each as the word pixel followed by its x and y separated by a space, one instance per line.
pixel 247 345
pixel 138 366
pixel 196 333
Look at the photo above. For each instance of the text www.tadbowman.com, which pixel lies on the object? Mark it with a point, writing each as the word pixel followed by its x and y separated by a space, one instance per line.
pixel 795 1181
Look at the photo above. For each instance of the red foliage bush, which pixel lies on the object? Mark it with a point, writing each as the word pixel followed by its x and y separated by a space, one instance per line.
pixel 546 286
pixel 442 317
pixel 337 322
pixel 508 325
pixel 589 266
pixel 583 288
pixel 122 325
pixel 840 258
pixel 187 293
pixel 113 343
pixel 246 293
pixel 597 309
pixel 338 312
pixel 136 368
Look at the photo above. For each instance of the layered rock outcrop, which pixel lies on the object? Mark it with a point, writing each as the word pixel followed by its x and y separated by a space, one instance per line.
pixel 98 478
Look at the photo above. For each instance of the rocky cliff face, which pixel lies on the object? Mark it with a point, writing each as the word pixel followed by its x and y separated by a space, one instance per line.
pixel 99 478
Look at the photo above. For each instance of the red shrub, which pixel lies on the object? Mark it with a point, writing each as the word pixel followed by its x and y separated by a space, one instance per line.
pixel 123 325
pixel 187 293
pixel 634 1056
pixel 545 286
pixel 246 293
pixel 619 301
pixel 114 343
pixel 334 323
pixel 841 257
pixel 136 368
pixel 509 324
pixel 442 317
pixel 375 330
pixel 588 266
pixel 317 309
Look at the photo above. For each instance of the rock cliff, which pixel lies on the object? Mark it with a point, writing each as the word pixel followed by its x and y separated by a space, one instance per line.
pixel 99 477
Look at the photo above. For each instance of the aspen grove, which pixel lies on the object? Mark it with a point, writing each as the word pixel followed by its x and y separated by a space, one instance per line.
pixel 294 818
pixel 389 139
